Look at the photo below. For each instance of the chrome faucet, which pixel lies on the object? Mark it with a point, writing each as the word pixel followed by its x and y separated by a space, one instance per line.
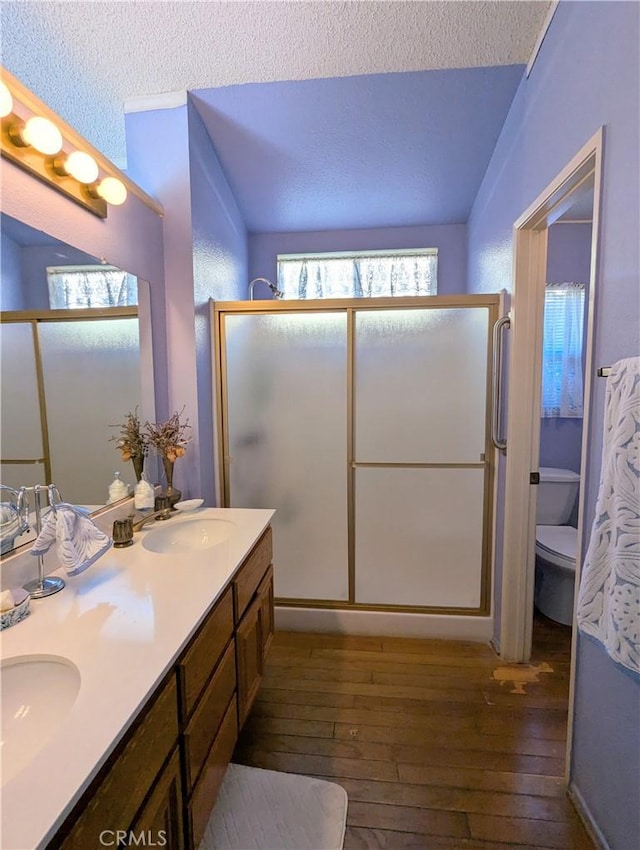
pixel 277 293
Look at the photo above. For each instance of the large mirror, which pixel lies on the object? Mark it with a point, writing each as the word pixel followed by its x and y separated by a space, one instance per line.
pixel 75 348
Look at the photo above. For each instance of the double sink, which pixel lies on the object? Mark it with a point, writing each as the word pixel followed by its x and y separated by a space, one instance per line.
pixel 39 691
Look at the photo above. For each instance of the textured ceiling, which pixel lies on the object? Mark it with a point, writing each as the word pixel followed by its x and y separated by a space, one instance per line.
pixel 85 58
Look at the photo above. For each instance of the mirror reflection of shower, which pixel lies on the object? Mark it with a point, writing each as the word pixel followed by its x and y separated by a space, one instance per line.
pixel 277 293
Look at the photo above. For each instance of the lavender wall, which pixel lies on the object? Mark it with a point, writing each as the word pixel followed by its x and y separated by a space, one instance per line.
pixel 219 271
pixel 11 297
pixel 586 75
pixel 568 259
pixel 158 159
pixel 449 239
pixel 130 238
pixel 171 156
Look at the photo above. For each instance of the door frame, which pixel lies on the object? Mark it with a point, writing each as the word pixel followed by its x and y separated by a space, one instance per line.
pixel 523 408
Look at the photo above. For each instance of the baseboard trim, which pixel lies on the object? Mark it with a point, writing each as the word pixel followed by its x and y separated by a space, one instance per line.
pixel 587 818
pixel 388 623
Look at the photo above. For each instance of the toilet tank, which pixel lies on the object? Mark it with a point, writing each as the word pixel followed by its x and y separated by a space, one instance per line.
pixel 557 494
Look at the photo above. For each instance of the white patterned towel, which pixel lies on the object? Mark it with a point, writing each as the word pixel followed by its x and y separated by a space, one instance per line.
pixel 79 540
pixel 609 596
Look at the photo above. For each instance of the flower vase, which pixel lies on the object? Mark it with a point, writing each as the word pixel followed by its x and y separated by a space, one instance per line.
pixel 170 491
pixel 138 465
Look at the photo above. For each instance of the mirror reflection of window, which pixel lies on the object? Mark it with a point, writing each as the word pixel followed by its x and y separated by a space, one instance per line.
pixel 86 287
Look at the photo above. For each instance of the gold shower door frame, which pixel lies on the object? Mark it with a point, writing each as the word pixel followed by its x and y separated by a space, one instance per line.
pixel 352 306
pixel 34 318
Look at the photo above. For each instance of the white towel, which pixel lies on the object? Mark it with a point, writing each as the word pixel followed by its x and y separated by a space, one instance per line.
pixel 609 596
pixel 79 540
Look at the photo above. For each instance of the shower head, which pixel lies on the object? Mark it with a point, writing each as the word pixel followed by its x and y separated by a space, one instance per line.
pixel 277 293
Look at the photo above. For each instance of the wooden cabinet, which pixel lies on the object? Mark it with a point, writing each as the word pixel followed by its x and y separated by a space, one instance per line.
pixel 248 659
pixel 205 722
pixel 161 817
pixel 204 795
pixel 265 595
pixel 199 660
pixel 114 798
pixel 162 781
pixel 251 573
pixel 253 596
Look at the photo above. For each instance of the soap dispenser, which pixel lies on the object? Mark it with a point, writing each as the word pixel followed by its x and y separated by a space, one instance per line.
pixel 117 489
pixel 143 495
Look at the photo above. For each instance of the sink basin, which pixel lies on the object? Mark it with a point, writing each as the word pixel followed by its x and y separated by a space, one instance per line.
pixel 38 691
pixel 185 537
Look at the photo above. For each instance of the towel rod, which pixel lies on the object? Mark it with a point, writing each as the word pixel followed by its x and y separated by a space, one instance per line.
pixel 604 371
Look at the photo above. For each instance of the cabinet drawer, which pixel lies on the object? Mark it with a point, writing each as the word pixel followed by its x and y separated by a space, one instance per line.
pixel 161 818
pixel 248 660
pixel 117 798
pixel 265 595
pixel 196 665
pixel 251 574
pixel 205 721
pixel 206 790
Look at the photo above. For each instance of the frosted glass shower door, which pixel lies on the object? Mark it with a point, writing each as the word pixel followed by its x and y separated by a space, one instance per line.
pixel 286 441
pixel 20 424
pixel 420 389
pixel 98 361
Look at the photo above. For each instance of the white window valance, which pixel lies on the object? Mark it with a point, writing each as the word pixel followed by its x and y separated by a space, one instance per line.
pixel 358 275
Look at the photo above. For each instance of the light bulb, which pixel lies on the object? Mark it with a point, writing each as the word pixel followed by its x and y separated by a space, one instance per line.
pixel 6 101
pixel 81 166
pixel 43 135
pixel 112 190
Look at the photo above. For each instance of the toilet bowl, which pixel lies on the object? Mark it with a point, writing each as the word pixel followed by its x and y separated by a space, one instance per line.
pixel 556 571
pixel 556 544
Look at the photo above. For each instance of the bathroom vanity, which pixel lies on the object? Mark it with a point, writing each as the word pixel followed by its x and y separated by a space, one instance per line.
pixel 169 647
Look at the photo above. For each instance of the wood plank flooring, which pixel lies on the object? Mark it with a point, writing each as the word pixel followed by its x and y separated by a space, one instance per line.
pixel 438 744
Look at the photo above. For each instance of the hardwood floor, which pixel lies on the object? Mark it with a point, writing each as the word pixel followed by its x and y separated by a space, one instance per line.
pixel 438 745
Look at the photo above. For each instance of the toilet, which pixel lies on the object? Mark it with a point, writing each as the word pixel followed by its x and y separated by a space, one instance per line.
pixel 556 544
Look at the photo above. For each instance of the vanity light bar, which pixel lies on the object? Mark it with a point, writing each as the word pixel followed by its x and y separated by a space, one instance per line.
pixel 35 143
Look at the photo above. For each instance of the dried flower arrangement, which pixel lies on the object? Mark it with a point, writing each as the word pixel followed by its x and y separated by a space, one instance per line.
pixel 131 441
pixel 169 438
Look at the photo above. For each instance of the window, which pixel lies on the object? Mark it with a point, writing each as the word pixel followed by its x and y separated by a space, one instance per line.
pixel 358 275
pixel 79 287
pixel 562 350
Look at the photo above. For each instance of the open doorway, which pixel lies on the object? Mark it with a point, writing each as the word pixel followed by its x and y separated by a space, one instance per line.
pixel 565 321
pixel 579 181
pixel 531 240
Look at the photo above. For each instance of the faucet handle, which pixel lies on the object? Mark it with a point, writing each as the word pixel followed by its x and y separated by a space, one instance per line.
pixel 122 532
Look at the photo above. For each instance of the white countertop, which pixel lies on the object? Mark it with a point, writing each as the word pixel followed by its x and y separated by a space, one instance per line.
pixel 122 623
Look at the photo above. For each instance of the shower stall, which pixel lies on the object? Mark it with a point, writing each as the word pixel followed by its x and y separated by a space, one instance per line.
pixel 365 423
pixel 67 377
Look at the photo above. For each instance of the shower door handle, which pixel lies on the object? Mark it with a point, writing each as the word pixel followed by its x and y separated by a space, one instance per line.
pixel 496 383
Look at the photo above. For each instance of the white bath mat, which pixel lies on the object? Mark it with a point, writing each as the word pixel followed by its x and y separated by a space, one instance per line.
pixel 267 810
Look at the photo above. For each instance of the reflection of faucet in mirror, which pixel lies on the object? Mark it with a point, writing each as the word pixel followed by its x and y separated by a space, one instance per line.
pixel 277 293
pixel 14 517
